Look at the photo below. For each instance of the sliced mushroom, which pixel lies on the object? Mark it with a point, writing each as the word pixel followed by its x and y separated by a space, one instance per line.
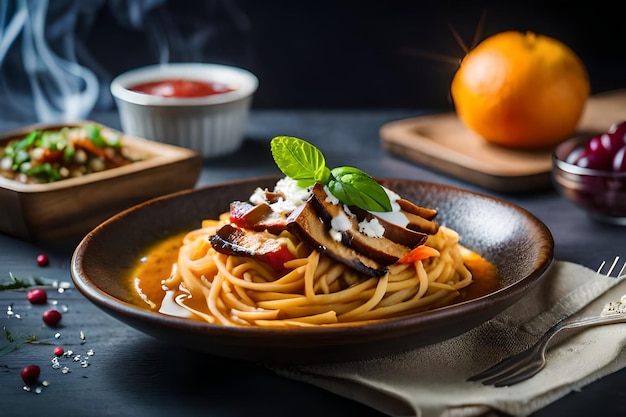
pixel 258 217
pixel 380 249
pixel 402 235
pixel 311 223
pixel 393 232
pixel 411 207
pixel 231 240
pixel 420 218
pixel 420 224
pixel 306 224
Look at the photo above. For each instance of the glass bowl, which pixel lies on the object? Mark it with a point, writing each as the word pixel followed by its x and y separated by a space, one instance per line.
pixel 602 194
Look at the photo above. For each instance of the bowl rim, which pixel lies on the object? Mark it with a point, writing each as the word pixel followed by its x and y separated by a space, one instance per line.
pixel 244 82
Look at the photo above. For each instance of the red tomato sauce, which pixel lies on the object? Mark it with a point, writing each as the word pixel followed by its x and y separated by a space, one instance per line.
pixel 182 88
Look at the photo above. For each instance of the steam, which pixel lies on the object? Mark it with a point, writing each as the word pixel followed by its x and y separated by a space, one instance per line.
pixel 62 89
pixel 56 88
pixel 47 73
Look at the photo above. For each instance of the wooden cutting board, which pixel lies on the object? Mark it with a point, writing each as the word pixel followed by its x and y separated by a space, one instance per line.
pixel 442 142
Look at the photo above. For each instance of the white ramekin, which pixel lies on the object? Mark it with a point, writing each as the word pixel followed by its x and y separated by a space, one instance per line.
pixel 213 125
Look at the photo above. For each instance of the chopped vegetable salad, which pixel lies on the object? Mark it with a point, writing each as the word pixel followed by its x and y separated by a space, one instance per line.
pixel 45 156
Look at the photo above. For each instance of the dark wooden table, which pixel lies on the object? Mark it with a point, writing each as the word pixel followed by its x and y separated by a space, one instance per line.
pixel 130 373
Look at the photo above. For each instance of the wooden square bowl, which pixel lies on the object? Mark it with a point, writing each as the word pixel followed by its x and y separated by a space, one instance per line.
pixel 72 207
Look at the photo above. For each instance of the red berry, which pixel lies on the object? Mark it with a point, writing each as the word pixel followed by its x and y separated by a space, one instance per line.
pixel 30 374
pixel 619 161
pixel 42 260
pixel 37 296
pixel 598 160
pixel 576 154
pixel 619 130
pixel 596 143
pixel 602 152
pixel 51 317
pixel 612 142
pixel 58 351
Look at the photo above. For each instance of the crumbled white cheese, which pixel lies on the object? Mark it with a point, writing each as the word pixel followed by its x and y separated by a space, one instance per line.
pixel 258 196
pixel 335 235
pixel 341 222
pixel 372 228
pixel 295 195
pixel 292 190
pixel 330 198
pixel 283 206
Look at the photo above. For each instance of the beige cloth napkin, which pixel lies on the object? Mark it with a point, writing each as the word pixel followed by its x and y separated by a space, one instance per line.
pixel 432 381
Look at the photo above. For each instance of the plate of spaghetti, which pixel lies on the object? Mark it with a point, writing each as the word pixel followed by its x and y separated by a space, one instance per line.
pixel 316 265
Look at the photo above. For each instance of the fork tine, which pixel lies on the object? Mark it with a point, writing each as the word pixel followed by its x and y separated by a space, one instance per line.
pixel 611 268
pixel 621 271
pixel 608 274
pixel 522 374
pixel 505 366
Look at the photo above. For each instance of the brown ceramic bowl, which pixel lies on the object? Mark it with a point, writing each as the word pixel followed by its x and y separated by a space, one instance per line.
pixel 70 208
pixel 514 240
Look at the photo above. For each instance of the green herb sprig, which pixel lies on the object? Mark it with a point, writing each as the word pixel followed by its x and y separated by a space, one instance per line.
pixel 23 283
pixel 14 344
pixel 306 164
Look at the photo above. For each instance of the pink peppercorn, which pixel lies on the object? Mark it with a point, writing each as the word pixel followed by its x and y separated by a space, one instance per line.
pixel 51 317
pixel 42 260
pixel 37 296
pixel 58 351
pixel 30 374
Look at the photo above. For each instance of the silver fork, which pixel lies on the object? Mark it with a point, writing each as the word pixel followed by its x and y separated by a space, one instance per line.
pixel 528 363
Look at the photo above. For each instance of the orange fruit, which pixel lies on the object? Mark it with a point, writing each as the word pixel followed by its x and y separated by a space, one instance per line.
pixel 521 90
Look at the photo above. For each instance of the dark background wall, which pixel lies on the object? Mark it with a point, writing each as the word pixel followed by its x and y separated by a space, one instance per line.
pixel 312 53
pixel 351 53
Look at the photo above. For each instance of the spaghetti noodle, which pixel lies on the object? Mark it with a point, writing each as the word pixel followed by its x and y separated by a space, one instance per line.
pixel 313 289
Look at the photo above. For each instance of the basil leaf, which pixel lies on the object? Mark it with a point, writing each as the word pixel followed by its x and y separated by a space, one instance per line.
pixel 299 160
pixel 356 188
pixel 303 162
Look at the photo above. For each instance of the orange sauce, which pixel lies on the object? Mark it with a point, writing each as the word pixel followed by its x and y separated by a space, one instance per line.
pixel 485 277
pixel 151 269
pixel 156 266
